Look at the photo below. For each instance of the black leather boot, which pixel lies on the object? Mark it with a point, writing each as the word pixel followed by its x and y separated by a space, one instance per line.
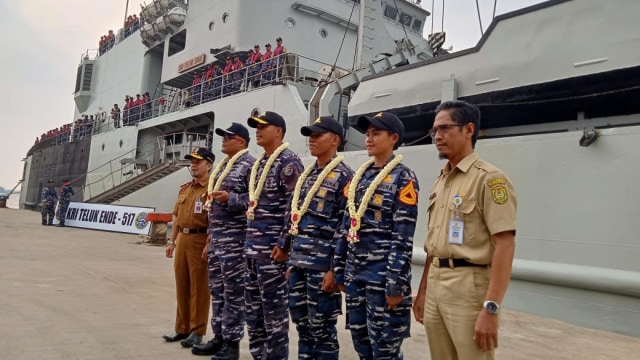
pixel 230 351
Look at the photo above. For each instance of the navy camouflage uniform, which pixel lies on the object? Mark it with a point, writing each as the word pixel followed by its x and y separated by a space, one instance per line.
pixel 65 198
pixel 266 290
pixel 379 265
pixel 228 229
pixel 48 210
pixel 314 311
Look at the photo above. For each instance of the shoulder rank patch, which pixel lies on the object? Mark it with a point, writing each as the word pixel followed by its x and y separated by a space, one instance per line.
pixel 499 194
pixel 408 195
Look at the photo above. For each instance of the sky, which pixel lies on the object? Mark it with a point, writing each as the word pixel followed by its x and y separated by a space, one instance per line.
pixel 44 39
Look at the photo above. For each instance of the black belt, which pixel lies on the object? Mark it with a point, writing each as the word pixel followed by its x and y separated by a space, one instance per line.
pixel 452 263
pixel 202 230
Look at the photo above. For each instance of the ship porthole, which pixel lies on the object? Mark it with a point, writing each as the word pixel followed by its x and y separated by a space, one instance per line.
pixel 323 33
pixel 211 25
pixel 225 17
pixel 290 23
pixel 103 147
pixel 255 112
pixel 121 143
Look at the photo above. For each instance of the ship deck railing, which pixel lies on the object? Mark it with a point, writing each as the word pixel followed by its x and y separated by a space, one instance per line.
pixel 286 67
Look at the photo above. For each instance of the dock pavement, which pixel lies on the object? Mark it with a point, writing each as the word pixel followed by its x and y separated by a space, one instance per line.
pixel 68 293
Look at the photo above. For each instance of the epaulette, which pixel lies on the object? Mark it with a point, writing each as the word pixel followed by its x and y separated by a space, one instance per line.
pixel 185 184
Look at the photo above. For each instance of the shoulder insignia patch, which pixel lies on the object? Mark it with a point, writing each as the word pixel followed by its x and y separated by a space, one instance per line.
pixel 408 195
pixel 288 170
pixel 498 181
pixel 185 184
pixel 345 191
pixel 499 194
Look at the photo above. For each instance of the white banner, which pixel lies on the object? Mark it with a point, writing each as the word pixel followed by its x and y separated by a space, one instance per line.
pixel 125 219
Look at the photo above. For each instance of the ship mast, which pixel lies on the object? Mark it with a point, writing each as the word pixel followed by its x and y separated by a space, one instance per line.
pixel 126 12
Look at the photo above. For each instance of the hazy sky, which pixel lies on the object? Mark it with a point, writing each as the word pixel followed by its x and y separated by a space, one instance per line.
pixel 44 39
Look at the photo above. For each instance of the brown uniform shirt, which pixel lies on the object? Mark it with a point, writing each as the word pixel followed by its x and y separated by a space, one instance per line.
pixel 488 207
pixel 184 210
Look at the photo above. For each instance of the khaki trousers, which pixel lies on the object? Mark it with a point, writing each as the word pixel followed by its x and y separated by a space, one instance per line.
pixel 192 285
pixel 452 304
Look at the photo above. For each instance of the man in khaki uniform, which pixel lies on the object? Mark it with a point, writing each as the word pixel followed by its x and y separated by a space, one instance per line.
pixel 470 242
pixel 190 241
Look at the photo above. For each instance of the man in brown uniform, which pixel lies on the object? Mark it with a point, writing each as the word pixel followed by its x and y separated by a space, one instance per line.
pixel 470 242
pixel 190 241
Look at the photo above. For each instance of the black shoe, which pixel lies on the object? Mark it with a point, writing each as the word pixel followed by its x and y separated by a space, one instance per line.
pixel 191 340
pixel 60 225
pixel 230 351
pixel 211 347
pixel 174 337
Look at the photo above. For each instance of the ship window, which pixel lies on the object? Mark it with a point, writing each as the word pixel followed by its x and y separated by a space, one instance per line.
pixel 417 25
pixel 177 42
pixel 211 25
pixel 323 33
pixel 390 12
pixel 405 19
pixel 290 23
pixel 225 17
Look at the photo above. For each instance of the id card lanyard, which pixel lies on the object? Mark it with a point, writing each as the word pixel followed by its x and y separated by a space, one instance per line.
pixel 198 208
pixel 456 224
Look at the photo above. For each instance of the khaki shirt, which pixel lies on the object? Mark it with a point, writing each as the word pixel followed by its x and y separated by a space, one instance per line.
pixel 488 207
pixel 184 210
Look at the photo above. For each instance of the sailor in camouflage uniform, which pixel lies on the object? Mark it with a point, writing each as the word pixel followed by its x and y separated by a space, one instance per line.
pixel 377 242
pixel 314 299
pixel 227 202
pixel 65 198
pixel 266 290
pixel 49 199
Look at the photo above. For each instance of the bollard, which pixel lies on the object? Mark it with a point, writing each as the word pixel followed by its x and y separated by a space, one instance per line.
pixel 3 201
pixel 159 223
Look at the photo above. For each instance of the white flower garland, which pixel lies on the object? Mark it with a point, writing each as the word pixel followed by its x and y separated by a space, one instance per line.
pixel 229 164
pixel 255 191
pixel 356 216
pixel 297 213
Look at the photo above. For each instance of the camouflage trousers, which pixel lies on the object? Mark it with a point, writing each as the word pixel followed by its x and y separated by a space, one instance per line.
pixel 315 314
pixel 376 330
pixel 227 295
pixel 50 211
pixel 266 297
pixel 62 212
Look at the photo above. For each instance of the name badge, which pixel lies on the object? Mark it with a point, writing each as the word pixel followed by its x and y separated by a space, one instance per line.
pixel 456 224
pixel 198 208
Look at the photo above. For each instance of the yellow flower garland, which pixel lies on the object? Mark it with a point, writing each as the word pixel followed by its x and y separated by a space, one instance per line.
pixel 215 187
pixel 356 216
pixel 255 191
pixel 296 214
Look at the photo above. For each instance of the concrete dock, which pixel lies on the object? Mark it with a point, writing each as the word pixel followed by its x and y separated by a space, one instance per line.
pixel 69 293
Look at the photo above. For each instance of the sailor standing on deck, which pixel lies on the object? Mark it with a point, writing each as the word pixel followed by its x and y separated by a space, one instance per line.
pixel 373 256
pixel 271 184
pixel 227 203
pixel 49 199
pixel 65 198
pixel 470 242
pixel 314 213
pixel 190 241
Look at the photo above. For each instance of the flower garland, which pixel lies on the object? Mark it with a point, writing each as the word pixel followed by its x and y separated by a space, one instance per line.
pixel 297 213
pixel 356 216
pixel 254 191
pixel 229 164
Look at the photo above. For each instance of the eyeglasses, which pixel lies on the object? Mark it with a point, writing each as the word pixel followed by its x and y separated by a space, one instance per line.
pixel 442 128
pixel 229 137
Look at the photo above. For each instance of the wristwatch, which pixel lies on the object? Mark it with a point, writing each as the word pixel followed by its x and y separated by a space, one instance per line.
pixel 492 307
pixel 171 242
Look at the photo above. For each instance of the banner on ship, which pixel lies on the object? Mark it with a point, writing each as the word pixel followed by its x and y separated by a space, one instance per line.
pixel 124 219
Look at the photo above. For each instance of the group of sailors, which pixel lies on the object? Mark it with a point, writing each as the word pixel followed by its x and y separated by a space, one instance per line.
pixel 236 75
pixel 132 24
pixel 80 129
